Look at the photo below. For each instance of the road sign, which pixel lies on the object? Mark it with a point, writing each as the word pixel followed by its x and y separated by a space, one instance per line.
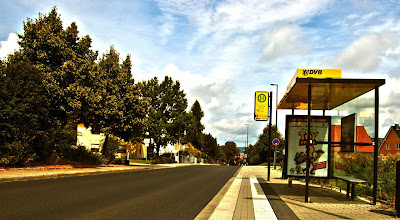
pixel 261 106
pixel 275 141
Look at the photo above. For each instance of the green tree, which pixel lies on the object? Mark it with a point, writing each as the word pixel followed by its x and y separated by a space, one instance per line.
pixel 210 146
pixel 259 152
pixel 231 152
pixel 69 75
pixel 66 60
pixel 24 116
pixel 123 109
pixel 195 135
pixel 103 96
pixel 167 111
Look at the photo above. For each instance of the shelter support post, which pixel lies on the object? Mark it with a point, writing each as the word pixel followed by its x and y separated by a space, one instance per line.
pixel 397 197
pixel 308 143
pixel 375 183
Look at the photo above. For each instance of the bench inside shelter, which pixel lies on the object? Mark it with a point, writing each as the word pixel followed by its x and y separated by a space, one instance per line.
pixel 351 181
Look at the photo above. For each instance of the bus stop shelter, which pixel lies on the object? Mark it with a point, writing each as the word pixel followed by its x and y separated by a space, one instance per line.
pixel 309 93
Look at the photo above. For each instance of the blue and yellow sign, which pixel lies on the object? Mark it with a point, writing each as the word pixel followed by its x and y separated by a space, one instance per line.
pixel 261 106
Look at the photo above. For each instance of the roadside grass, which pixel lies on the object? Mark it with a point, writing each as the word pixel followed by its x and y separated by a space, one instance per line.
pixel 141 161
pixel 263 164
pixel 278 164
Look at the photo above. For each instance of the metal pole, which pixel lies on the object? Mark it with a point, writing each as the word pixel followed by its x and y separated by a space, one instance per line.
pixel 397 197
pixel 179 147
pixel 269 135
pixel 276 120
pixel 375 183
pixel 247 138
pixel 276 124
pixel 308 143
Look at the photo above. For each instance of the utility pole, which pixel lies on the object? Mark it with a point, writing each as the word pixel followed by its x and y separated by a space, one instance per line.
pixel 276 121
pixel 179 147
pixel 247 139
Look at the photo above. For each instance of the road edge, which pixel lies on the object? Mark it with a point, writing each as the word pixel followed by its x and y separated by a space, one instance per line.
pixel 210 207
pixel 52 176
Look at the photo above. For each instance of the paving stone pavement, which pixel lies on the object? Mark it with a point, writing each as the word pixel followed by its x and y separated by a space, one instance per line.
pixel 244 206
pixel 288 202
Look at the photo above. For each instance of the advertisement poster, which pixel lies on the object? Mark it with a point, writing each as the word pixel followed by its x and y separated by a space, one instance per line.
pixel 296 137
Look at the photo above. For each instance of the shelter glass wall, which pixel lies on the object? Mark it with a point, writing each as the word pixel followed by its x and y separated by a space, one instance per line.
pixel 353 132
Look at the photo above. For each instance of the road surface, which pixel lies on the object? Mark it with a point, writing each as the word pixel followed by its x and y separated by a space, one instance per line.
pixel 174 193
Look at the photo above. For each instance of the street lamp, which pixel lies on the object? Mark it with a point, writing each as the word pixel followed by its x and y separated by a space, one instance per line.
pixel 276 121
pixel 247 139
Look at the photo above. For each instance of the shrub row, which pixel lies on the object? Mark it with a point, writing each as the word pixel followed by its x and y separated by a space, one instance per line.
pixel 361 166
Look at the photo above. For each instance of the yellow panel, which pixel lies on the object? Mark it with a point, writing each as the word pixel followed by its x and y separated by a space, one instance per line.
pixel 261 106
pixel 321 73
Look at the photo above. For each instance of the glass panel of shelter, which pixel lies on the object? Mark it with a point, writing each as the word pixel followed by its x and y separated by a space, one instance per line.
pixel 360 112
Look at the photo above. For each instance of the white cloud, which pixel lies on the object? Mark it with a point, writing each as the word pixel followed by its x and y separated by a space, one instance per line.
pixel 366 53
pixel 220 100
pixel 220 22
pixel 364 3
pixel 282 40
pixel 167 27
pixel 9 46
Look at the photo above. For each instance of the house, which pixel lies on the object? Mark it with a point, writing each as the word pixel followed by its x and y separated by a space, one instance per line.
pixel 93 143
pixel 361 137
pixel 139 151
pixel 391 142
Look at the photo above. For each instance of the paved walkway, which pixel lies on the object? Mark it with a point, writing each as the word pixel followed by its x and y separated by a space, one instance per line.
pixel 39 172
pixel 249 196
pixel 55 171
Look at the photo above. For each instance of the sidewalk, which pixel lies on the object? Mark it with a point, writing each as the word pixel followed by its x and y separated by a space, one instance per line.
pixel 250 196
pixel 55 171
pixel 17 174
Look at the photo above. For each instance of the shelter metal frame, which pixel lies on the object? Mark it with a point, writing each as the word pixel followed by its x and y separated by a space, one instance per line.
pixel 327 94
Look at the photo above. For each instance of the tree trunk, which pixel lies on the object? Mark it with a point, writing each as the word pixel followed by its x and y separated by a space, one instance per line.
pixel 158 150
pixel 104 151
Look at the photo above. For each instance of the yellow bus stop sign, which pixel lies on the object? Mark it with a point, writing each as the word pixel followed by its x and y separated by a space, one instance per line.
pixel 261 106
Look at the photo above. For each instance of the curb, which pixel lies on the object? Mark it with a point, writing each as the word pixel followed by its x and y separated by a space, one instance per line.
pixel 137 167
pixel 212 205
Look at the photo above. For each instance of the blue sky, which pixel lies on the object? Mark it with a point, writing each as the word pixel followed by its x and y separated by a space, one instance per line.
pixel 224 51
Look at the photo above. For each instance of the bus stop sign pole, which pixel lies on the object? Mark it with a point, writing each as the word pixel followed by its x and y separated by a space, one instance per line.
pixel 269 135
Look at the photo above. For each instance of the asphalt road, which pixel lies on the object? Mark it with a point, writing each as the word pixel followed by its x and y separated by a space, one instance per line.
pixel 174 193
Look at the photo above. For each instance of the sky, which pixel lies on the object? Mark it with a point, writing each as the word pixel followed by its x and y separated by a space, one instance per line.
pixel 222 52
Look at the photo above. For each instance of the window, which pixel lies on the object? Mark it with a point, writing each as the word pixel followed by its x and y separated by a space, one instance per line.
pixel 387 146
pixel 397 146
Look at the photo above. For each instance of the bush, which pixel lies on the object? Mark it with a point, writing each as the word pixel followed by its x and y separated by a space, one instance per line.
pixel 17 153
pixel 110 147
pixel 80 157
pixel 163 159
pixel 361 166
pixel 118 161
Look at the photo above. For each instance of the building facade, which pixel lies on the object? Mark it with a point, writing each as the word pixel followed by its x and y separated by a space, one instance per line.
pixel 391 142
pixel 93 142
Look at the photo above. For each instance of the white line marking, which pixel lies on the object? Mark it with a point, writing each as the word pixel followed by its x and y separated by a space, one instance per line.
pixel 226 206
pixel 262 208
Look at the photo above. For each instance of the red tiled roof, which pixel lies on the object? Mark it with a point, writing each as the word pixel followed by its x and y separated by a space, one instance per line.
pixel 361 137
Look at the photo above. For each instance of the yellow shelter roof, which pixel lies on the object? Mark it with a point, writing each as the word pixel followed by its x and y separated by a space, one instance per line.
pixel 326 93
